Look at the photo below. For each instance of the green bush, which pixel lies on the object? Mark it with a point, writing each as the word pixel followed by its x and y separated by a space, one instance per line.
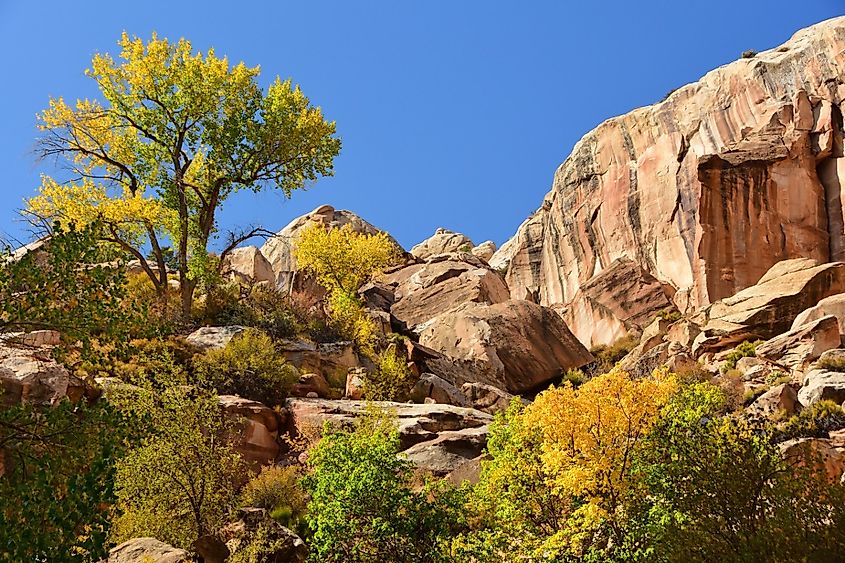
pixel 276 489
pixel 832 363
pixel 815 421
pixel 749 54
pixel 391 380
pixel 248 366
pixel 607 356
pixel 259 307
pixel 745 349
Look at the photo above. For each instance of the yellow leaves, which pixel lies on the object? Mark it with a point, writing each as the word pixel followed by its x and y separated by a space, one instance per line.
pixel 84 203
pixel 589 433
pixel 343 258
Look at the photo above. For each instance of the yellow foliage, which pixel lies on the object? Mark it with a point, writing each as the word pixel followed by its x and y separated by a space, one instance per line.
pixel 343 258
pixel 349 318
pixel 589 434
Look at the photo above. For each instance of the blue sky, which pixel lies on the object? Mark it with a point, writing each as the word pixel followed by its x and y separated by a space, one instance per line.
pixel 452 114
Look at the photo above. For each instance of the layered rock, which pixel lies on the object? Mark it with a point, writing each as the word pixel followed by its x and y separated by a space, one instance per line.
pixel 437 437
pixel 769 308
pixel 279 249
pixel 28 374
pixel 705 190
pixel 256 428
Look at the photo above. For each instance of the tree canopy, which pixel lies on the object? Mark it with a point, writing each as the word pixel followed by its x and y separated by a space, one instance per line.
pixel 176 132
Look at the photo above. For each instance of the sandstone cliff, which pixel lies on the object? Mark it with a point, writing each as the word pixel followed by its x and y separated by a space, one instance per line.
pixel 705 191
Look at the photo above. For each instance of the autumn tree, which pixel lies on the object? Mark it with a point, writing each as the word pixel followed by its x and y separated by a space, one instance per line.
pixel 342 260
pixel 175 134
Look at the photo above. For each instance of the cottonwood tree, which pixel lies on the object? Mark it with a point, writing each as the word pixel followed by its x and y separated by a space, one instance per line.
pixel 175 134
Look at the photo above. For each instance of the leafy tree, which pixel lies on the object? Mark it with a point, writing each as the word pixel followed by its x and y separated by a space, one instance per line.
pixel 180 483
pixel 67 285
pixel 589 436
pixel 56 480
pixel 175 134
pixel 522 517
pixel 718 489
pixel 248 366
pixel 362 507
pixel 277 489
pixel 342 260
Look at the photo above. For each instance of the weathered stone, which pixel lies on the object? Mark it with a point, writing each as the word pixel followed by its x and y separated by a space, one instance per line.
pixel 34 339
pixel 436 388
pixel 833 305
pixel 797 348
pixel 376 295
pixel 248 265
pixel 213 337
pixel 256 428
pixel 332 360
pixel 279 249
pixel 705 190
pixel 448 451
pixel 31 376
pixel 445 283
pixel 822 385
pixel 311 383
pixel 147 550
pixel 485 250
pixel 516 345
pixel 819 453
pixel 466 472
pixel 779 399
pixel 620 299
pixel 355 379
pixel 768 309
pixel 443 241
pixel 486 398
pixel 417 423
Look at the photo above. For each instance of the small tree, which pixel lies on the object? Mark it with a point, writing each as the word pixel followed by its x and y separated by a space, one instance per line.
pixel 177 132
pixel 362 507
pixel 342 261
pixel 57 480
pixel 179 484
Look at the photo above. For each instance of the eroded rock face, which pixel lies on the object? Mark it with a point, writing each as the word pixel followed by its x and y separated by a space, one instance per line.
pixel 485 250
pixel 822 385
pixel 256 428
pixel 798 347
pixel 147 550
pixel 248 265
pixel 443 241
pixel 30 375
pixel 442 436
pixel 768 308
pixel 833 305
pixel 705 190
pixel 213 337
pixel 517 345
pixel 279 250
pixel 819 453
pixel 444 283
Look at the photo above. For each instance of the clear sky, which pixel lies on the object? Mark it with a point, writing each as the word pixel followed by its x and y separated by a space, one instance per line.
pixel 452 113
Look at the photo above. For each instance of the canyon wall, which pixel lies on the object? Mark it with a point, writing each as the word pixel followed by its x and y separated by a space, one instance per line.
pixel 705 190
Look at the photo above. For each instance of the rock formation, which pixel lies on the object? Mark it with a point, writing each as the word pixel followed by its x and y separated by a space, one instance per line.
pixel 443 241
pixel 248 265
pixel 705 190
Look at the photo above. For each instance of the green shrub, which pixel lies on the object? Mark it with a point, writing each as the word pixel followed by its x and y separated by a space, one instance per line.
pixel 749 54
pixel 607 356
pixel 391 380
pixel 669 315
pixel 832 363
pixel 277 490
pixel 259 307
pixel 248 366
pixel 745 349
pixel 753 394
pixel 815 421
pixel 574 376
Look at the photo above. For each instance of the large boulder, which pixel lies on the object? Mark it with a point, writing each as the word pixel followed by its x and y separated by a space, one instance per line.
pixel 444 283
pixel 822 385
pixel 768 308
pixel 30 375
pixel 798 347
pixel 443 241
pixel 213 337
pixel 517 345
pixel 818 453
pixel 780 399
pixel 484 251
pixel 707 189
pixel 256 429
pixel 442 436
pixel 279 249
pixel 248 265
pixel 833 305
pixel 331 360
pixel 622 298
pixel 147 550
